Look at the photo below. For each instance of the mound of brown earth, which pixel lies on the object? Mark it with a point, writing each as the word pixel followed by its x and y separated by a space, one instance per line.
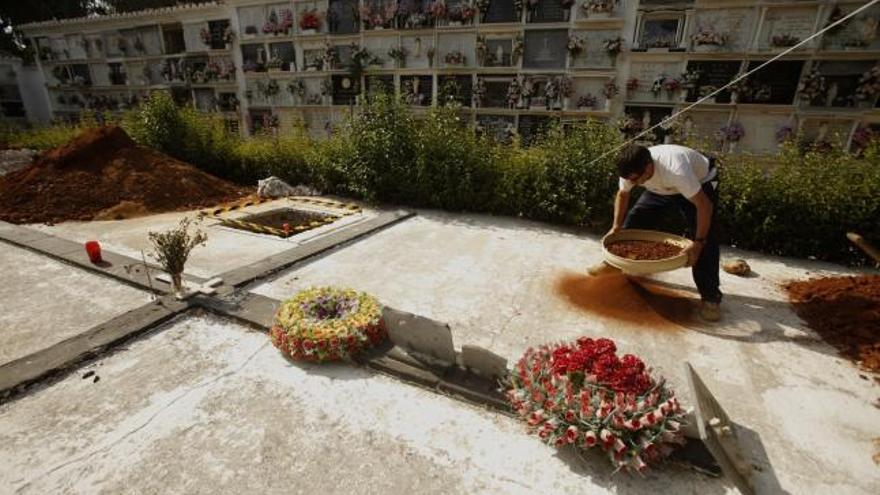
pixel 845 311
pixel 103 174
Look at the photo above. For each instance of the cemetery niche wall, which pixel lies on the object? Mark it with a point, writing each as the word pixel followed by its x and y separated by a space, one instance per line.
pixel 509 64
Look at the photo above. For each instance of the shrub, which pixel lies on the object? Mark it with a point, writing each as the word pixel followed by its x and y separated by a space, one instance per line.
pixel 172 248
pixel 45 137
pixel 801 203
pixel 158 123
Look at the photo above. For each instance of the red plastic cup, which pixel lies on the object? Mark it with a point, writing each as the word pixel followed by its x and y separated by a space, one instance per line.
pixel 94 251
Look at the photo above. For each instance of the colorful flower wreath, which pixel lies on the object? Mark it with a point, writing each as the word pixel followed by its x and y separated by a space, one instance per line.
pixel 328 324
pixel 582 394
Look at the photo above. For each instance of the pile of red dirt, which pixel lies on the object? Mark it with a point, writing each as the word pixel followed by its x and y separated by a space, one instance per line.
pixel 845 311
pixel 644 250
pixel 103 175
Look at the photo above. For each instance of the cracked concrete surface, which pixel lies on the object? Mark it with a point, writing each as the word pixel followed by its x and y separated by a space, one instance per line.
pixel 207 406
pixel 45 301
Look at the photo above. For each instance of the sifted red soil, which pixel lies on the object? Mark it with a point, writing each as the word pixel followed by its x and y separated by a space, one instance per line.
pixel 103 174
pixel 636 301
pixel 845 311
pixel 644 250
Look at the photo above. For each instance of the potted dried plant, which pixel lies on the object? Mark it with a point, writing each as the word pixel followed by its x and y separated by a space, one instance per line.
pixel 172 249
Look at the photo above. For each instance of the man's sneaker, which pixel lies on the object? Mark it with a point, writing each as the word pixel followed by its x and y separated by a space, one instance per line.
pixel 710 311
pixel 602 268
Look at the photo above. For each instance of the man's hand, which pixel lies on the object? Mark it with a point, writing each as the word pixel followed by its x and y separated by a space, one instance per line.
pixel 614 229
pixel 693 253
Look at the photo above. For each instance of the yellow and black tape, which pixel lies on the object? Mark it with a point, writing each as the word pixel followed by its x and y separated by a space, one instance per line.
pixel 226 209
pixel 349 209
pixel 263 229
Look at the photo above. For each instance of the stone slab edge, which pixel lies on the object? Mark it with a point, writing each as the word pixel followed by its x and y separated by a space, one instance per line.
pixel 73 253
pixel 16 375
pixel 267 266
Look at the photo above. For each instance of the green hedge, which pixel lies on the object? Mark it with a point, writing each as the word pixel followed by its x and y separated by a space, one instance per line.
pixel 796 203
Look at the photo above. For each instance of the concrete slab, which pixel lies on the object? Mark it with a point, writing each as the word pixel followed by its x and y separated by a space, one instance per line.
pixel 226 249
pixel 45 302
pixel 206 406
pixel 420 335
pixel 500 284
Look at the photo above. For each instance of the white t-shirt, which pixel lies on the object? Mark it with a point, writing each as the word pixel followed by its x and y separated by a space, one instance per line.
pixel 677 170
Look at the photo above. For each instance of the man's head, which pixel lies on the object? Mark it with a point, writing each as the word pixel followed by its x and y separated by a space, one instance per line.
pixel 635 164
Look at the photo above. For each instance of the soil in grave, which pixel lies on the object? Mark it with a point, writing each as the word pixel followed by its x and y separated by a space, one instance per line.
pixel 293 218
pixel 632 300
pixel 103 174
pixel 845 312
pixel 644 250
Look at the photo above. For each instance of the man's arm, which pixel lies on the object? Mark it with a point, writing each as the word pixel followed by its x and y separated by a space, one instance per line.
pixel 621 204
pixel 704 220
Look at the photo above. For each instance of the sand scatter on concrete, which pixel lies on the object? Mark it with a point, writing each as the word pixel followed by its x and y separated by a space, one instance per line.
pixel 103 174
pixel 845 312
pixel 632 300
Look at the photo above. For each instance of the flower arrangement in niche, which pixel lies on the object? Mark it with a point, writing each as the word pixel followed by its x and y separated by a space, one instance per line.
pixel 657 85
pixel 398 54
pixel 455 57
pixel 575 45
pixel 598 6
pixel 869 84
pixel 205 35
pixel 671 85
pixel 784 40
pixel 632 84
pixel 812 87
pixel 139 45
pixel 610 90
pixel 733 132
pixel 566 87
pixel 462 13
pixel 276 24
pixel 587 102
pixel 310 19
pixel 228 35
pixel 438 9
pixel 707 37
pixel 582 394
pixel 297 87
pixel 328 324
pixel 613 46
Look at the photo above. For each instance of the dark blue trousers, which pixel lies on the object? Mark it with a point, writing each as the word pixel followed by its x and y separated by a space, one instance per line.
pixel 646 213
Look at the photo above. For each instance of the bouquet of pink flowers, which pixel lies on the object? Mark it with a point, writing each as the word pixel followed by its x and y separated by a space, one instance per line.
pixel 582 394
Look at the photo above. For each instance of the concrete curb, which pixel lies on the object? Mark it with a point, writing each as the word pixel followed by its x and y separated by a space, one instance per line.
pixel 15 376
pixel 122 268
